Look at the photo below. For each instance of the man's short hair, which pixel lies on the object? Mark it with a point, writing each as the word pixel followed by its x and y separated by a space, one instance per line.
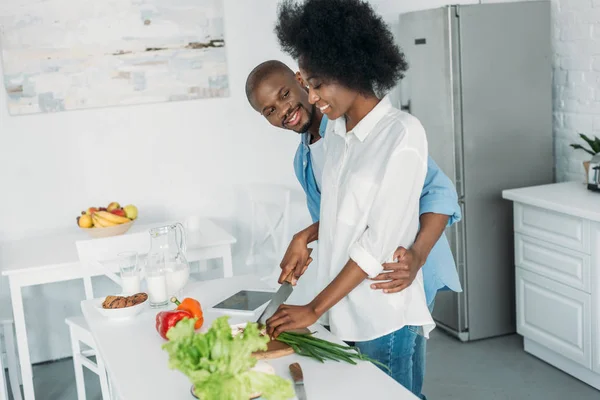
pixel 261 72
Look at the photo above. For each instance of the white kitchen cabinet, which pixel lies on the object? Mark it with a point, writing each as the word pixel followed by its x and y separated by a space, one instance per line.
pixel 557 277
pixel 558 263
pixel 554 315
pixel 595 277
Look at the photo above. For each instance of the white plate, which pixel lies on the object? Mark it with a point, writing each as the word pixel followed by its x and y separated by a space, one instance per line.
pixel 120 313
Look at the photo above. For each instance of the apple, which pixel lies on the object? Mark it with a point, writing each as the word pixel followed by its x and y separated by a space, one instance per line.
pixel 131 211
pixel 85 221
pixel 119 211
pixel 91 210
pixel 113 206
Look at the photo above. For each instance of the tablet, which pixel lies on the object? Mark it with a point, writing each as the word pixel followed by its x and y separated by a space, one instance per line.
pixel 248 301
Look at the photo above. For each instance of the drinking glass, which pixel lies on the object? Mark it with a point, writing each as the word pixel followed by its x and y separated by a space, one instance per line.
pixel 130 272
pixel 156 280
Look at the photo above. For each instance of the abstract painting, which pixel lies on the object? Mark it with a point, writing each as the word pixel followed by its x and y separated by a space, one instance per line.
pixel 62 55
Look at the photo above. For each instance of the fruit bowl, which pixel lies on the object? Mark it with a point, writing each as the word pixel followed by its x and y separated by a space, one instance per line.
pixel 99 232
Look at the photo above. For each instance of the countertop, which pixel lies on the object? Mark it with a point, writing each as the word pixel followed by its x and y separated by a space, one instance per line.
pixel 572 198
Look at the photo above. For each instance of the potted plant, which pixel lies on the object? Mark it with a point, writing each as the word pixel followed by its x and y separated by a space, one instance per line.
pixel 593 150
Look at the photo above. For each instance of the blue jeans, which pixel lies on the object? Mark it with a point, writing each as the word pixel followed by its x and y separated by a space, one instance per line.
pixel 404 353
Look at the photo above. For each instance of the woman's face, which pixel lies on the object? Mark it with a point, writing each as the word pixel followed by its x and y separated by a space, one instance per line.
pixel 333 99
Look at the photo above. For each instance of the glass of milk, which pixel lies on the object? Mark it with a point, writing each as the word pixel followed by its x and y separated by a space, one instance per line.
pixel 156 281
pixel 130 272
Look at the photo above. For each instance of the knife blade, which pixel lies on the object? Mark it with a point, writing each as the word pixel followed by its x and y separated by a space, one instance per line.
pixel 298 377
pixel 282 294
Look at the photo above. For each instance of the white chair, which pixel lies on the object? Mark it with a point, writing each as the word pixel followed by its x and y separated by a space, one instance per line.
pixel 269 226
pixel 98 257
pixel 7 328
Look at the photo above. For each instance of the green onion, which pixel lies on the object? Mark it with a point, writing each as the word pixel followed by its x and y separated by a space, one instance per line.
pixel 305 344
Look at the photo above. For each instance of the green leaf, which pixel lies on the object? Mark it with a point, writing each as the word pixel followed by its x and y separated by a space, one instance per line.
pixel 218 364
pixel 596 145
pixel 183 328
pixel 593 143
pixel 271 387
pixel 577 146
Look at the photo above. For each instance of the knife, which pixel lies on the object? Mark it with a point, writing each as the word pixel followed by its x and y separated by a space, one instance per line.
pixel 298 377
pixel 282 294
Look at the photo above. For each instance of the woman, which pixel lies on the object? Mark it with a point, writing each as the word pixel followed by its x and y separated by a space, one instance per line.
pixel 376 162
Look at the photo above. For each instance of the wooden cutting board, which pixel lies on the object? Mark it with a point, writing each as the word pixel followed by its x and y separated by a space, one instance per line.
pixel 277 349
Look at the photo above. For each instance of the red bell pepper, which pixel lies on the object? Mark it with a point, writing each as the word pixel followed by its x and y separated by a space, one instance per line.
pixel 165 320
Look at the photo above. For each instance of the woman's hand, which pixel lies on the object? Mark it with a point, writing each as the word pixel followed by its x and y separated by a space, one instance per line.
pixel 287 318
pixel 297 256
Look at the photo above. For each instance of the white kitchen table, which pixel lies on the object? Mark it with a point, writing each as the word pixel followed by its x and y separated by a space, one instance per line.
pixel 53 258
pixel 138 367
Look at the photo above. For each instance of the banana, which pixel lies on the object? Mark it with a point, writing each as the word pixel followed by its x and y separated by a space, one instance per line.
pixel 102 223
pixel 97 222
pixel 111 218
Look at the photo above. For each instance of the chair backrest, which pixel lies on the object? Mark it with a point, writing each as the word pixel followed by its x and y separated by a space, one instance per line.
pixel 99 256
pixel 269 232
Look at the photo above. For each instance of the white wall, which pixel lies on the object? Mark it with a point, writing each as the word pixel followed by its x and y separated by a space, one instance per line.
pixel 576 81
pixel 181 158
pixel 169 158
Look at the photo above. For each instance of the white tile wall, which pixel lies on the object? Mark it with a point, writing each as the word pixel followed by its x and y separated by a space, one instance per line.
pixel 576 25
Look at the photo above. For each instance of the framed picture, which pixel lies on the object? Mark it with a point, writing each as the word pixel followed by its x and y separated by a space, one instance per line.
pixel 62 55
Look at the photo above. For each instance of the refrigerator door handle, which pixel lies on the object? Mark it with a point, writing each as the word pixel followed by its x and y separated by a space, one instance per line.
pixel 460 254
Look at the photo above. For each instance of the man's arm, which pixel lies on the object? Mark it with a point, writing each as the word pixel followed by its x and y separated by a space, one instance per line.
pixel 433 225
pixel 297 256
pixel 438 208
pixel 401 274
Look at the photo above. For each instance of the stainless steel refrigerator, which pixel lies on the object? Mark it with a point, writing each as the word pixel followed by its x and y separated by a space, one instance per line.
pixel 480 81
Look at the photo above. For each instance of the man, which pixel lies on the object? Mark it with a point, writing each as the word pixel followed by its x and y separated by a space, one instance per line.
pixel 280 96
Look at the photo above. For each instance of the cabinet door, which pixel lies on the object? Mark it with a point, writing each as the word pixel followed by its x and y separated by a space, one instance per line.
pixel 555 316
pixel 595 275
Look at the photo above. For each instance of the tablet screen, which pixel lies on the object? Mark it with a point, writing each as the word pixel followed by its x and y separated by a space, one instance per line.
pixel 245 300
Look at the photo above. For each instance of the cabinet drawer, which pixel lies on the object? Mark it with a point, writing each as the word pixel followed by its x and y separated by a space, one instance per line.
pixel 555 316
pixel 561 229
pixel 558 263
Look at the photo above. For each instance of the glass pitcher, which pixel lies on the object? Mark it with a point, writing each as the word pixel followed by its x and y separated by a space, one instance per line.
pixel 167 270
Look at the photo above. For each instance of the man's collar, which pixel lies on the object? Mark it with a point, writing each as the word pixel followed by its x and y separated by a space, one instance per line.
pixel 365 125
pixel 322 127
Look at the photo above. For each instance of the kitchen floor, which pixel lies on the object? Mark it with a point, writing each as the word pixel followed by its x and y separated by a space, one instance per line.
pixel 493 369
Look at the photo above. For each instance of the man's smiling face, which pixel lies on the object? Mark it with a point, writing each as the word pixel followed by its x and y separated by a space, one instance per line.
pixel 281 99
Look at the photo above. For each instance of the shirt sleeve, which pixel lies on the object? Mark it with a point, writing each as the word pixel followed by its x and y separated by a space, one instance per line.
pixel 394 209
pixel 439 194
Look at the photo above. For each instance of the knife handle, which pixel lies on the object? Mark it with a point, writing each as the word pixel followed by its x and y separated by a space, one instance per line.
pixel 289 279
pixel 296 372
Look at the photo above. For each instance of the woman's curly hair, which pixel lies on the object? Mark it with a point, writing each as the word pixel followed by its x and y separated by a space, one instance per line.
pixel 344 41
